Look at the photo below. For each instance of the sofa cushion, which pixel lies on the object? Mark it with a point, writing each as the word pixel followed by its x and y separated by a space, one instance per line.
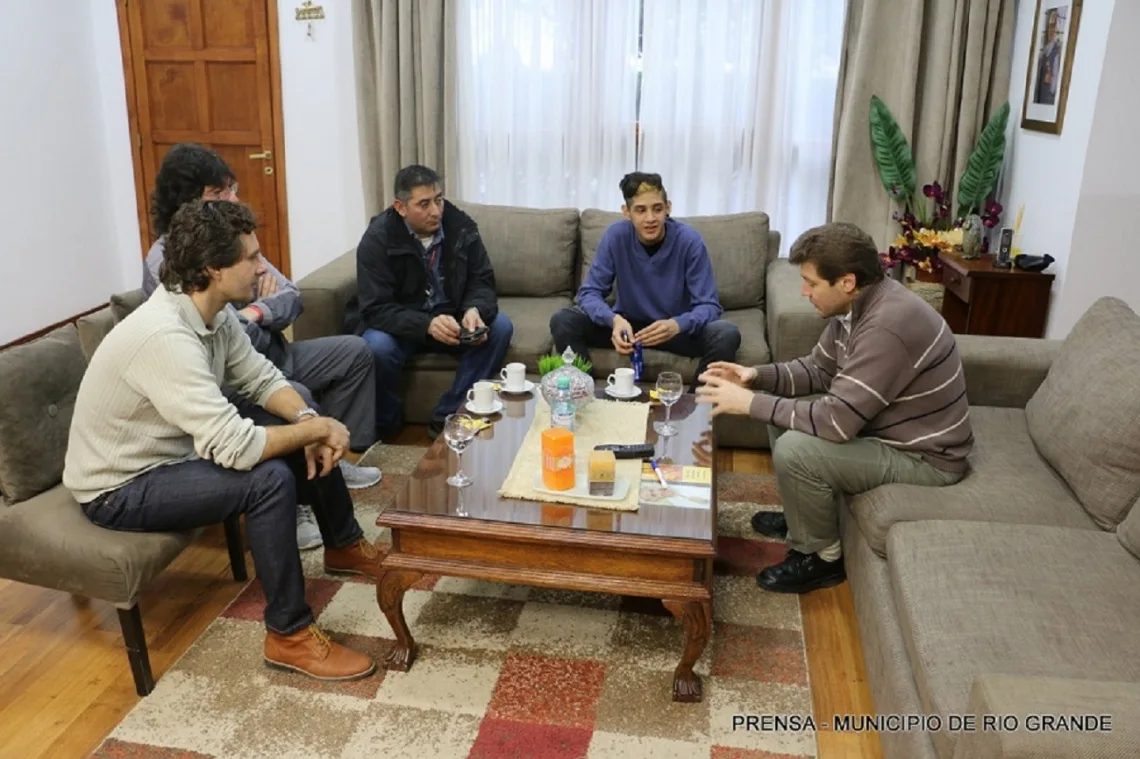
pixel 122 304
pixel 532 250
pixel 1007 482
pixel 983 598
pixel 531 319
pixel 1083 417
pixel 737 245
pixel 38 384
pixel 49 542
pixel 93 328
pixel 1128 531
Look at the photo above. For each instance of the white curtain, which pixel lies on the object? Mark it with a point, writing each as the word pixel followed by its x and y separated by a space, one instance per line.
pixel 547 101
pixel 737 105
pixel 731 101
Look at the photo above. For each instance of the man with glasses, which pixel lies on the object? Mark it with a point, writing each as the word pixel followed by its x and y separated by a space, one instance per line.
pixel 425 285
pixel 337 371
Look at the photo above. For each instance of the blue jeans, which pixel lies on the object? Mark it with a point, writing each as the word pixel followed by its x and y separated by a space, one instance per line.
pixel 475 363
pixel 198 493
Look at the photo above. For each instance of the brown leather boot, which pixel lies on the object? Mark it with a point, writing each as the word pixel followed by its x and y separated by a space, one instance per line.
pixel 360 558
pixel 310 652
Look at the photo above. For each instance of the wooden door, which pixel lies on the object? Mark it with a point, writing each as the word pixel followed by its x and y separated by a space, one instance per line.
pixel 207 71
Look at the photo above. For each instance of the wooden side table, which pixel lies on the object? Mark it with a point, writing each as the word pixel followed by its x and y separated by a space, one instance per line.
pixel 982 300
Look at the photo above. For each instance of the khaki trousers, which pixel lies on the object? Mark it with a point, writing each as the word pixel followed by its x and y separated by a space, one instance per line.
pixel 814 474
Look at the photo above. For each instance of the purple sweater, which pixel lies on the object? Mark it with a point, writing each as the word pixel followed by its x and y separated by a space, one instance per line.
pixel 677 282
pixel 893 373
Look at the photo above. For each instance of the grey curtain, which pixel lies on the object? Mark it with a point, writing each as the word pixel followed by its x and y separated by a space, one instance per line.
pixel 405 83
pixel 942 67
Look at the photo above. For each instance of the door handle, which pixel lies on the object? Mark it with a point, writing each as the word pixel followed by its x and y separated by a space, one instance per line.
pixel 266 155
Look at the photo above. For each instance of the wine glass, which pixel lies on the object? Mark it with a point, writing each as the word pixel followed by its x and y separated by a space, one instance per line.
pixel 669 387
pixel 458 431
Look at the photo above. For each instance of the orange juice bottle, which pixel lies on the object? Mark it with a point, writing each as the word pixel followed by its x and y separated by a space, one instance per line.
pixel 558 458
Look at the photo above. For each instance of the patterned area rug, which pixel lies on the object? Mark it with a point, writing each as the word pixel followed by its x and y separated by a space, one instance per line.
pixel 503 671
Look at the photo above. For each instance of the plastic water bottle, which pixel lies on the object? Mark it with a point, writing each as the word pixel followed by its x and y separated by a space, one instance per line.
pixel 563 413
pixel 638 362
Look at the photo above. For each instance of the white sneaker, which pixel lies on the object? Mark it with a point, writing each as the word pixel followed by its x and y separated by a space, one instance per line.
pixel 358 477
pixel 308 534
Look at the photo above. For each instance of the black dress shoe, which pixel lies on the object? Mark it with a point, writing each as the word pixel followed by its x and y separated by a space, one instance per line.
pixel 770 523
pixel 802 572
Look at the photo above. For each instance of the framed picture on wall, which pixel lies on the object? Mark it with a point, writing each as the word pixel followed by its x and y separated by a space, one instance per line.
pixel 1050 64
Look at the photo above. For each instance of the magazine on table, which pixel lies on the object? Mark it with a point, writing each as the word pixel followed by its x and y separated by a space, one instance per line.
pixel 687 487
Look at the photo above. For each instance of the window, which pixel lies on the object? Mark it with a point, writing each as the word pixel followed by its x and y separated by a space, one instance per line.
pixel 731 101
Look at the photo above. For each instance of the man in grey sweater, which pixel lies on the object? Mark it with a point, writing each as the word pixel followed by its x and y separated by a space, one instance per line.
pixel 338 370
pixel 891 405
pixel 155 446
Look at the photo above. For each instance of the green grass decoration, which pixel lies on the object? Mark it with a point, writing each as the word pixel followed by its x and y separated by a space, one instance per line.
pixel 549 363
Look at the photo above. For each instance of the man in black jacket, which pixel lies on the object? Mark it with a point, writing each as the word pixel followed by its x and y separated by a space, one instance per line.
pixel 425 285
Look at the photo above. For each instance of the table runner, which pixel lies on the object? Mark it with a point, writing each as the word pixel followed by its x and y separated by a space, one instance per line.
pixel 602 421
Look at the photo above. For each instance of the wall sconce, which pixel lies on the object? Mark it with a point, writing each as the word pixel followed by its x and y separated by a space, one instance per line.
pixel 310 13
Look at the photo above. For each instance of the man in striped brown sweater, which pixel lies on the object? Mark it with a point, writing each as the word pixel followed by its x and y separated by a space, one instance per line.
pixel 890 408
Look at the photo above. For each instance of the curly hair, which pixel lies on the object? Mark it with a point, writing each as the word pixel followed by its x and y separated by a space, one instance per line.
pixel 204 234
pixel 186 171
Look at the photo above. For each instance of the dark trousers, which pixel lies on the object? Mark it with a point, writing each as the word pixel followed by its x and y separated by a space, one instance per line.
pixel 199 493
pixel 476 362
pixel 341 374
pixel 716 341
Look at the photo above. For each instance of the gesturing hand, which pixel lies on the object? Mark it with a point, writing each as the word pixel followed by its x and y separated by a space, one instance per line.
pixel 444 329
pixel 724 396
pixel 734 373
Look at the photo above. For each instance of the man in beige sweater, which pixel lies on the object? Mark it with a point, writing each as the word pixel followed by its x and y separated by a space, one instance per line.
pixel 155 446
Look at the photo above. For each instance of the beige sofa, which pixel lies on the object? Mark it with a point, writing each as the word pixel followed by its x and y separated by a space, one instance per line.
pixel 1017 590
pixel 540 259
pixel 45 539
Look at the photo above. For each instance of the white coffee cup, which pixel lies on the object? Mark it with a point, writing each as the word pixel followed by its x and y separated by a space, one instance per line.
pixel 482 395
pixel 621 381
pixel 514 376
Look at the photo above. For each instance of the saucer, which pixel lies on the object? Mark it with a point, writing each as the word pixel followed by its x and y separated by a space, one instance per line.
pixel 496 407
pixel 526 388
pixel 612 392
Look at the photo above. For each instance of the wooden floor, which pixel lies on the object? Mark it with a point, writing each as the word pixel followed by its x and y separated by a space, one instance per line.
pixel 65 683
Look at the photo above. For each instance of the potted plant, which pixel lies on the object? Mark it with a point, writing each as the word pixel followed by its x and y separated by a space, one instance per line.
pixel 928 223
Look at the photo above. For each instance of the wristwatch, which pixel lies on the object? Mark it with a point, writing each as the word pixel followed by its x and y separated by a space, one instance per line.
pixel 303 413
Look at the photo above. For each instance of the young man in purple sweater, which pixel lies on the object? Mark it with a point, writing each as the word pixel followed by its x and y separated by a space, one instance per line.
pixel 666 290
pixel 891 405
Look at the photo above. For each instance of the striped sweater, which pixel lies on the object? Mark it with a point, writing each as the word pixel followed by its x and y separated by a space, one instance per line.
pixel 152 396
pixel 890 372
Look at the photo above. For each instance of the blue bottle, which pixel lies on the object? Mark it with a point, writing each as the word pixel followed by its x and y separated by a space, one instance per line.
pixel 563 412
pixel 638 362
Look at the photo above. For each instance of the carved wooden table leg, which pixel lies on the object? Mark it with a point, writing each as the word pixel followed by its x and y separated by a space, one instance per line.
pixel 390 597
pixel 696 617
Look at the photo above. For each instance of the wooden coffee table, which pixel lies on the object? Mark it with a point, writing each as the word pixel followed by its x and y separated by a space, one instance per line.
pixel 658 551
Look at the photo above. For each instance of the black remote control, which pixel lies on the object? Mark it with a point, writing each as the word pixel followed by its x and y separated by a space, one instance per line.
pixel 629 450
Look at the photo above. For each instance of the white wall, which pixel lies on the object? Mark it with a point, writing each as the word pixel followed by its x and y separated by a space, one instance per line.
pixel 1104 259
pixel 1047 171
pixel 69 233
pixel 61 234
pixel 322 145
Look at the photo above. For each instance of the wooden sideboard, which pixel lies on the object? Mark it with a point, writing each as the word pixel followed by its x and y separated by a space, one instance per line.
pixel 982 300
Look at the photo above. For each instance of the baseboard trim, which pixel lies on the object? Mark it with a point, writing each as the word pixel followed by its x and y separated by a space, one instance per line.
pixel 41 332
